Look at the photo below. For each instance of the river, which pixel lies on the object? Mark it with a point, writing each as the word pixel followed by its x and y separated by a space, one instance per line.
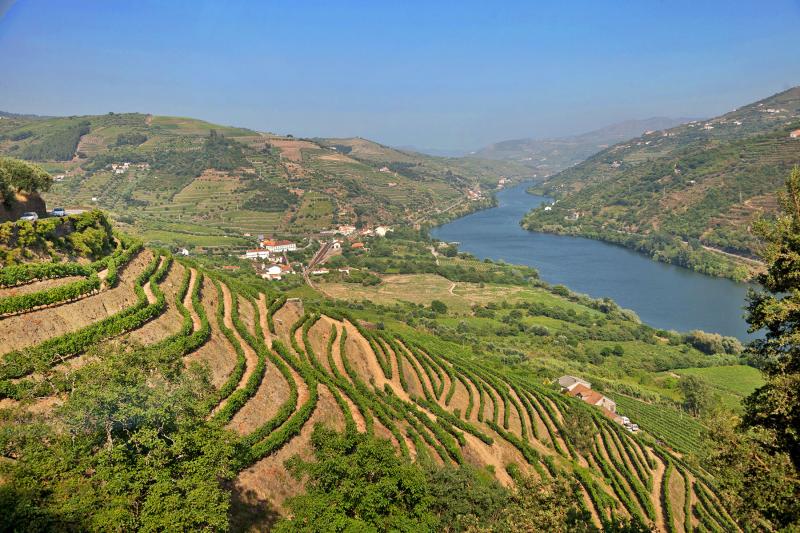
pixel 664 296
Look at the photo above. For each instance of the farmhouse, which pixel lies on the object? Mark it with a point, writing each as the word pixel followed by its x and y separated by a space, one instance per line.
pixel 570 382
pixel 346 230
pixel 582 392
pixel 795 134
pixel 277 247
pixel 381 231
pixel 357 245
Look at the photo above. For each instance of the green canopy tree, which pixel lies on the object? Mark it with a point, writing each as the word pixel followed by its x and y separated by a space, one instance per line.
pixel 21 176
pixel 756 464
pixel 775 407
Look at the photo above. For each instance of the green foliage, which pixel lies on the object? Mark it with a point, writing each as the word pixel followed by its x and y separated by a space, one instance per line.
pixel 134 453
pixel 358 483
pixel 697 396
pixel 57 294
pixel 21 176
pixel 132 138
pixel 59 144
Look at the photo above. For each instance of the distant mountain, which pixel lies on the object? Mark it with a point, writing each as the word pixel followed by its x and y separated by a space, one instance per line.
pixel 682 193
pixel 438 152
pixel 548 156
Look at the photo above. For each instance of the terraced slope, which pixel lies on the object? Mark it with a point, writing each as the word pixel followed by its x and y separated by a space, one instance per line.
pixel 281 366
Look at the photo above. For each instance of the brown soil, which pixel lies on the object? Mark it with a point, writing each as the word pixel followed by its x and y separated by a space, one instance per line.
pixel 249 354
pixel 268 481
pixel 247 315
pixel 187 301
pixel 269 396
pixel 655 495
pixel 21 331
pixel 216 354
pixel 170 320
pixel 285 317
pixel 677 496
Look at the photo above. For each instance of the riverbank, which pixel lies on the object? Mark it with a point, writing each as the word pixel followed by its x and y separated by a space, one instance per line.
pixel 662 294
pixel 662 247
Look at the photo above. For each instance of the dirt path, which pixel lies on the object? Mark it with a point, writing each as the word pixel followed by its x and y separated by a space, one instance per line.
pixel 187 301
pixel 249 354
pixel 655 494
pixel 148 291
pixel 262 319
pixel 371 361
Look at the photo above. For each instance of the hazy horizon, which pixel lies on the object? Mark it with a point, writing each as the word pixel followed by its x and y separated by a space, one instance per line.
pixel 442 77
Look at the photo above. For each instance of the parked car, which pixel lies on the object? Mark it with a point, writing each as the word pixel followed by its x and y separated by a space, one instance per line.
pixel 59 212
pixel 29 215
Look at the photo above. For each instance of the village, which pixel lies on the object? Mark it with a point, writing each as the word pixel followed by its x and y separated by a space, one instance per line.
pixel 271 261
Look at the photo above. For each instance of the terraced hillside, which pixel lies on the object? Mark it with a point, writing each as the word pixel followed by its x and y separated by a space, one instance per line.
pixel 280 365
pixel 193 183
pixel 686 195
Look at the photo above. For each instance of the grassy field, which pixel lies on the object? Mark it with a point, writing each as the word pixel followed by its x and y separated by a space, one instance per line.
pixel 732 383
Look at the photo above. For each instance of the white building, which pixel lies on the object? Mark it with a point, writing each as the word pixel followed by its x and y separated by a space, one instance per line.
pixel 256 254
pixel 277 247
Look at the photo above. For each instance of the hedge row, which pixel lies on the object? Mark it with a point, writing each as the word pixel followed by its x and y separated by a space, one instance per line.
pixel 322 376
pixel 440 364
pixel 530 455
pixel 687 502
pixel 600 499
pixel 272 309
pixel 613 478
pixel 400 410
pixel 14 275
pixel 666 503
pixel 347 387
pixel 241 362
pixel 289 405
pixel 376 407
pixel 437 410
pixel 20 363
pixel 633 482
pixel 294 425
pixel 59 294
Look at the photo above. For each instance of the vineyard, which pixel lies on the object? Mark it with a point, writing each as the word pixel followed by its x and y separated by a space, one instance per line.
pixel 279 366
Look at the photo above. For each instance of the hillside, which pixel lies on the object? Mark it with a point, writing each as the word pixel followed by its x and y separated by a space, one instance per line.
pixel 465 381
pixel 549 156
pixel 193 183
pixel 686 195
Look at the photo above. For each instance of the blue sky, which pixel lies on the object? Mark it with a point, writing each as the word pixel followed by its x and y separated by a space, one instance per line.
pixel 434 74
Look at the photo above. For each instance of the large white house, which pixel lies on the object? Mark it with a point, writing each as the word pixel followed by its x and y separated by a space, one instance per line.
pixel 257 254
pixel 277 247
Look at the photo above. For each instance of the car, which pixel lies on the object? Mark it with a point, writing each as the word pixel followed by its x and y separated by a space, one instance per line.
pixel 29 215
pixel 59 212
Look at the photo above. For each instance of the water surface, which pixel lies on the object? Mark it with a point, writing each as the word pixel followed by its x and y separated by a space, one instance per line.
pixel 664 296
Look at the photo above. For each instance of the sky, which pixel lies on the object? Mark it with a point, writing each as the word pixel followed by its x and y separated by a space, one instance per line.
pixel 432 74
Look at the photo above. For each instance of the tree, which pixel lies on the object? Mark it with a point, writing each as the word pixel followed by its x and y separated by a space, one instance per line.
pixel 756 464
pixel 21 176
pixel 439 307
pixel 697 397
pixel 775 407
pixel 132 451
pixel 358 483
pixel 542 505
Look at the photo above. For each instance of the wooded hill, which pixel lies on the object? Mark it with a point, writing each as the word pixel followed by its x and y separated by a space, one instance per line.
pixel 679 194
pixel 194 183
pixel 171 389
